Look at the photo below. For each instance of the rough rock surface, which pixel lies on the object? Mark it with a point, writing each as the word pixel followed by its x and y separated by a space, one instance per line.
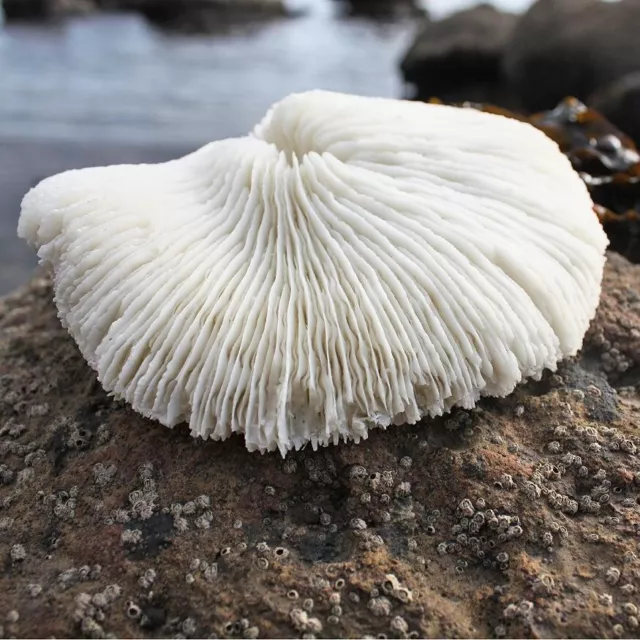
pixel 517 519
pixel 572 47
pixel 460 57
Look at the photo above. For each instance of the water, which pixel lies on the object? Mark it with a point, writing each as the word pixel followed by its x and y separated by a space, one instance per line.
pixel 108 89
pixel 115 78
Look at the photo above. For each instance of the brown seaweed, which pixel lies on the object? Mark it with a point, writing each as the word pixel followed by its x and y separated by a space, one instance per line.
pixel 606 159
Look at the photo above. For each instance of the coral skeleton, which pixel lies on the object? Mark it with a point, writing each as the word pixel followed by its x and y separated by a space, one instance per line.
pixel 352 263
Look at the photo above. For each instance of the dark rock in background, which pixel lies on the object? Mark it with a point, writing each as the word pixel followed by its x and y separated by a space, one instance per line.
pixel 29 10
pixel 460 57
pixel 589 49
pixel 620 103
pixel 200 15
pixel 572 48
pixel 25 9
pixel 183 15
pixel 381 8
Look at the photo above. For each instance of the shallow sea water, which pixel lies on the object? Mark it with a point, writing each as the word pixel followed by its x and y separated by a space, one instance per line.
pixel 114 78
pixel 107 89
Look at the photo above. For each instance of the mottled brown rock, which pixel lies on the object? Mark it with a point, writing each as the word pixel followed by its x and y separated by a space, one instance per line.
pixel 572 47
pixel 517 519
pixel 460 57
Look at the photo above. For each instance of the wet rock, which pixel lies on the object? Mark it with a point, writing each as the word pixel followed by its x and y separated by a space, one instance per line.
pixel 609 163
pixel 381 8
pixel 525 509
pixel 593 145
pixel 606 159
pixel 460 57
pixel 571 48
pixel 201 15
pixel 23 10
pixel 186 15
pixel 620 103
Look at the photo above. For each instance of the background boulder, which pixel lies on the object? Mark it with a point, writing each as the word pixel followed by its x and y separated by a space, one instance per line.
pixel 21 10
pixel 200 15
pixel 588 49
pixel 460 58
pixel 382 8
pixel 571 48
pixel 620 103
pixel 184 15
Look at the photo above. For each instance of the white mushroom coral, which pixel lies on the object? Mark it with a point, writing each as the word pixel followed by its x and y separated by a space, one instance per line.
pixel 355 262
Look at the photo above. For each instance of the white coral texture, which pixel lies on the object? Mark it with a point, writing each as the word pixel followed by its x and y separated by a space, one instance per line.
pixel 353 263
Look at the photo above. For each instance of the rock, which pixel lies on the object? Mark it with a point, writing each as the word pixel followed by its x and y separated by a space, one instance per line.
pixel 19 10
pixel 620 103
pixel 186 15
pixel 572 48
pixel 200 15
pixel 25 9
pixel 519 518
pixel 382 8
pixel 460 57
